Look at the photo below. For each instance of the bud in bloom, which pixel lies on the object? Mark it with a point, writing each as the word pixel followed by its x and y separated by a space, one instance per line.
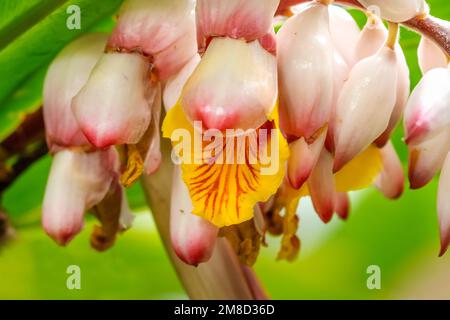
pixel 391 180
pixel 237 19
pixel 65 77
pixel 305 66
pixel 76 183
pixel 233 87
pixel 444 205
pixel 112 108
pixel 396 10
pixel 193 238
pixel 428 109
pixel 427 158
pixel 430 55
pixel 365 105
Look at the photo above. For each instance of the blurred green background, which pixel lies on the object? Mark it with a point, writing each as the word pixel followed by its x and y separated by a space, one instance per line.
pixel 401 237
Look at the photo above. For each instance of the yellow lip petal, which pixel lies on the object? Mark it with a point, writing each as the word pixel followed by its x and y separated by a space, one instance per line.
pixel 361 172
pixel 224 193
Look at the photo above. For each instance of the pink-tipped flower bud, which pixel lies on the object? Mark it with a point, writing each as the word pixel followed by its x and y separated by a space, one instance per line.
pixel 342 205
pixel 427 158
pixel 322 187
pixel 233 87
pixel 391 179
pixel 163 30
pixel 305 66
pixel 65 77
pixel 302 159
pixel 395 10
pixel 193 238
pixel 112 107
pixel 237 19
pixel 430 55
pixel 428 110
pixel 365 105
pixel 371 40
pixel 76 183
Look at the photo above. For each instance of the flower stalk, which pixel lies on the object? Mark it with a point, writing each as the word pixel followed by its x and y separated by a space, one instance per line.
pixel 392 35
pixel 222 277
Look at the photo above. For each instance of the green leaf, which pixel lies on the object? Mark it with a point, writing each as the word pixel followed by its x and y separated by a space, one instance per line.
pixel 16 16
pixel 23 101
pixel 37 46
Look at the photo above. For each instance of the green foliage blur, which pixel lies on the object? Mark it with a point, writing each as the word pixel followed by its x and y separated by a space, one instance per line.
pixel 401 237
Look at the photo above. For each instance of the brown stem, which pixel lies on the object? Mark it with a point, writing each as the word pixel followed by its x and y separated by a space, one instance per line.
pixel 22 163
pixel 435 29
pixel 30 130
pixel 222 277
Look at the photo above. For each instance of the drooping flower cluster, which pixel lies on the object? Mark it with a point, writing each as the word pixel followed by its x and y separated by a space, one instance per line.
pixel 257 120
pixel 82 177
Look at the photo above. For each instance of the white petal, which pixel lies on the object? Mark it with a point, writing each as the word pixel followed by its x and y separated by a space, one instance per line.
pixel 344 32
pixel 371 39
pixel 153 158
pixel 305 66
pixel 175 84
pixel 391 180
pixel 66 75
pixel 237 19
pixel 302 159
pixel 430 55
pixel 233 87
pixel 126 215
pixel 193 238
pixel 444 205
pixel 403 84
pixel 365 105
pixel 341 72
pixel 112 108
pixel 395 10
pixel 427 158
pixel 76 183
pixel 369 43
pixel 162 29
pixel 428 110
